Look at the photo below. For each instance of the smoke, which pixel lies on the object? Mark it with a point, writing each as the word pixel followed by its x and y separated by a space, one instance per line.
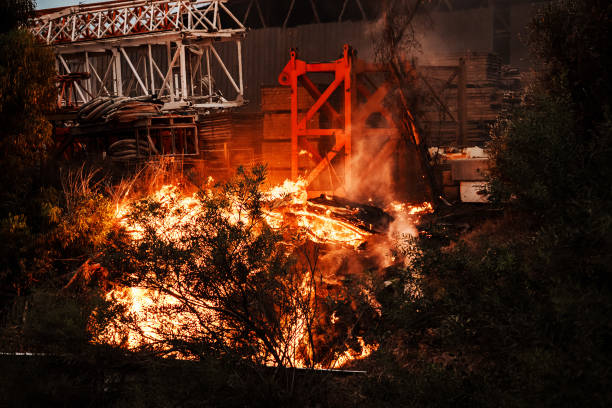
pixel 373 179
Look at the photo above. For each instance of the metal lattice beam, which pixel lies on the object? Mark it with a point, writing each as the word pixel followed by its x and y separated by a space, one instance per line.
pixel 127 18
pixel 150 47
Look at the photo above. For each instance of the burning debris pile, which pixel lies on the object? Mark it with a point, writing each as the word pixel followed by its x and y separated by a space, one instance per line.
pixel 120 109
pixel 280 287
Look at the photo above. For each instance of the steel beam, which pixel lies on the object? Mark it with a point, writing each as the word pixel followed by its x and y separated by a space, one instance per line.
pixel 349 119
pixel 142 28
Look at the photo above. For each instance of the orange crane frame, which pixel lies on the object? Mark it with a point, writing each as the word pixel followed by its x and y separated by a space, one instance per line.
pixel 362 98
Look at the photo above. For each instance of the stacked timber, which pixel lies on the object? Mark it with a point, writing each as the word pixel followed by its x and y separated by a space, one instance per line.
pixel 276 128
pixel 482 69
pixel 490 90
pixel 228 140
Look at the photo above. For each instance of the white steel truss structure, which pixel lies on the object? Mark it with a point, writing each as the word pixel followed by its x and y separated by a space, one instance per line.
pixel 189 53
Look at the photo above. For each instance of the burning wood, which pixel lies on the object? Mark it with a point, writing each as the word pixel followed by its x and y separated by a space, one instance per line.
pixel 336 225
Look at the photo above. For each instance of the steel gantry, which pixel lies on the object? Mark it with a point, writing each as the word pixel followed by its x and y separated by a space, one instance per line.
pixel 178 50
pixel 358 117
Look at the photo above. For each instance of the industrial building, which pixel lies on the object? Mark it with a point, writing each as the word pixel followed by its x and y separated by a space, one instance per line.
pixel 299 85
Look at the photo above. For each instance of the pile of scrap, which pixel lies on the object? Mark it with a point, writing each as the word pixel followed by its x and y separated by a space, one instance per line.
pixel 117 109
pixel 463 173
pixel 366 217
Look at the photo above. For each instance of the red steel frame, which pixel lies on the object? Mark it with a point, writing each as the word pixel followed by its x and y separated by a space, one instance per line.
pixel 361 99
pixel 296 71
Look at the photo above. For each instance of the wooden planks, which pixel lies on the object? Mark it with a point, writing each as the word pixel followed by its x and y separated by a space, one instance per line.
pixel 490 90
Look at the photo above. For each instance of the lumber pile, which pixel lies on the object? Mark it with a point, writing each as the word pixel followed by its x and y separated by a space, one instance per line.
pixel 276 130
pixel 490 90
pixel 228 140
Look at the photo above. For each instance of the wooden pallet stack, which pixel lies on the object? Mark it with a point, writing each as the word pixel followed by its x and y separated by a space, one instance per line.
pixel 487 86
pixel 276 131
pixel 229 140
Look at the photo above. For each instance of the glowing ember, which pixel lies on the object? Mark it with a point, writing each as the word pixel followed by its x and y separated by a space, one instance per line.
pixel 145 325
pixel 406 208
pixel 295 191
pixel 350 355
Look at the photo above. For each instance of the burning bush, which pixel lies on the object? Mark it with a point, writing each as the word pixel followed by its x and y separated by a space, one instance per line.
pixel 232 270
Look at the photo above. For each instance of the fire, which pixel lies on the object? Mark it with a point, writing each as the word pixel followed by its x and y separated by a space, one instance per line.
pixel 349 355
pixel 285 206
pixel 406 208
pixel 182 210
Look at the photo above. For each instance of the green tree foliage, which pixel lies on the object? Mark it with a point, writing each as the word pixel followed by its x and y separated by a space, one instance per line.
pixel 48 227
pixel 27 92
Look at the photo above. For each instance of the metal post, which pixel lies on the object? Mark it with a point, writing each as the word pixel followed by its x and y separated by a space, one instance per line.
pixel 117 80
pixel 239 45
pixel 151 69
pixel 348 99
pixel 143 57
pixel 57 71
pixel 183 71
pixel 210 95
pixel 294 120
pixel 461 103
pixel 170 83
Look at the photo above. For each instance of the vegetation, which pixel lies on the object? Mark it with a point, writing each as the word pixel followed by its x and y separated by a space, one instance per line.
pixel 236 291
pixel 52 218
pixel 515 313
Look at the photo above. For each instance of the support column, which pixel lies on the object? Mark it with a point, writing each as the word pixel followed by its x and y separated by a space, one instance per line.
pixel 88 81
pixel 294 120
pixel 170 69
pixel 117 80
pixel 348 99
pixel 150 54
pixel 183 70
pixel 57 71
pixel 461 104
pixel 209 78
pixel 239 49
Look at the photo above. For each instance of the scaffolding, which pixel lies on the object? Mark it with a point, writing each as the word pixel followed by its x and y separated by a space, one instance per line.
pixel 361 97
pixel 187 53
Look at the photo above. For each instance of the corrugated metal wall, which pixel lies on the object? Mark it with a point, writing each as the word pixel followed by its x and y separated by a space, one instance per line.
pixel 266 51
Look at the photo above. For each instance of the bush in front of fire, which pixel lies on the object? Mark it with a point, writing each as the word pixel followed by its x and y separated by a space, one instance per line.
pixel 51 221
pixel 226 282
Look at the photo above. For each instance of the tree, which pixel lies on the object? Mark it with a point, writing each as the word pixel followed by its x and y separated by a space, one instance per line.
pixel 27 92
pixel 227 272
pixel 15 13
pixel 552 153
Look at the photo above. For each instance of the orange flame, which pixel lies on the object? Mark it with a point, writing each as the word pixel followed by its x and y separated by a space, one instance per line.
pixel 287 205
